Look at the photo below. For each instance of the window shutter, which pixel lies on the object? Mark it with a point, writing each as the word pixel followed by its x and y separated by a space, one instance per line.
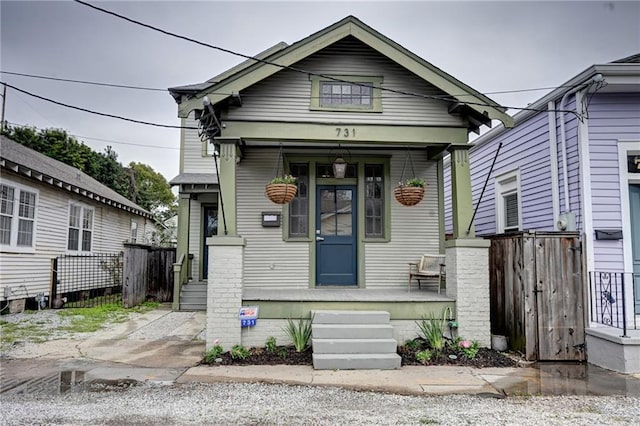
pixel 511 212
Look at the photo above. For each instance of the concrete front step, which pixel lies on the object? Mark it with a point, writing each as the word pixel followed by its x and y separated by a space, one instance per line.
pixel 350 317
pixel 356 361
pixel 352 331
pixel 193 296
pixel 193 307
pixel 354 346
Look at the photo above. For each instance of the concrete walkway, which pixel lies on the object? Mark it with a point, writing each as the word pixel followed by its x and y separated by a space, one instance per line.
pixel 163 347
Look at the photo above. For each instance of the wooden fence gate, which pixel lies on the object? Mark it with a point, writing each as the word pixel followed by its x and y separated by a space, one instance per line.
pixel 537 297
pixel 147 274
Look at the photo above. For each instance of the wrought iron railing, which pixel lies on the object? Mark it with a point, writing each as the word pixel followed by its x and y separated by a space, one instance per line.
pixel 87 280
pixel 612 292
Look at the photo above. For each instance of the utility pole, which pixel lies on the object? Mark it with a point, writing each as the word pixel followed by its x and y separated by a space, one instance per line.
pixel 4 98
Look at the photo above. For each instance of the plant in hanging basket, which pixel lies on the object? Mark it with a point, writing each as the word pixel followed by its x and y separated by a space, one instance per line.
pixel 281 189
pixel 411 192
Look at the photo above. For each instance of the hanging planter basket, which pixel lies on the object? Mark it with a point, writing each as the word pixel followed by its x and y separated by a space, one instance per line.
pixel 282 188
pixel 408 195
pixel 411 191
pixel 281 193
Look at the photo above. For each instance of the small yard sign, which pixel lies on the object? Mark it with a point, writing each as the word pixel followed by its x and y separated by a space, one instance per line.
pixel 248 316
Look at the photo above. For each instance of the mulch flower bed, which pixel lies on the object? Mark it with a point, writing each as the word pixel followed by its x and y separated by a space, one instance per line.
pixel 287 355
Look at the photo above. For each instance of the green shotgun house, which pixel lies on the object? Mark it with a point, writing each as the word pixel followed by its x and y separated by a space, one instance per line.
pixel 344 97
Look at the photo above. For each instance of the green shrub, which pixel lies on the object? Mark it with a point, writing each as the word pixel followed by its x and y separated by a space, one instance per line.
pixel 432 330
pixel 240 352
pixel 468 348
pixel 424 356
pixel 299 333
pixel 213 353
pixel 413 345
pixel 270 345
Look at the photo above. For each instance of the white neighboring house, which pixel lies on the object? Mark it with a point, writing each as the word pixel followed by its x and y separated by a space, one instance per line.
pixel 48 209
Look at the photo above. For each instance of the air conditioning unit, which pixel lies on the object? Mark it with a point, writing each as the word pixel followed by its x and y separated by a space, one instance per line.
pixel 566 222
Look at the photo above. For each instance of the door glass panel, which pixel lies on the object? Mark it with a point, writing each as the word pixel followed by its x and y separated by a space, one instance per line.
pixel 327 212
pixel 336 212
pixel 343 211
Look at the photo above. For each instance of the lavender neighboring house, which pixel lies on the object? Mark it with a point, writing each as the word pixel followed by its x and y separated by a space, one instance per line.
pixel 572 163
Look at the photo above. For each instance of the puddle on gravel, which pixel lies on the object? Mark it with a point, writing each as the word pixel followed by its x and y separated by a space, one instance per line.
pixel 565 379
pixel 64 382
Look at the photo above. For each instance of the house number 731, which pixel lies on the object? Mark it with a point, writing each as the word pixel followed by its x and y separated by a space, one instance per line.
pixel 345 132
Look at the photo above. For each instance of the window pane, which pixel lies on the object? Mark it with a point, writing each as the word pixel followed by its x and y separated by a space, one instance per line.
pixel 299 206
pixel 5 230
pixel 511 211
pixel 374 200
pixel 86 241
pixel 25 233
pixel 27 205
pixel 87 219
pixel 73 239
pixel 6 200
pixel 335 93
pixel 74 216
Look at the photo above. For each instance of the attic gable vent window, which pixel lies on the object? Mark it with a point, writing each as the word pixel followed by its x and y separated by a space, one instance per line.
pixel 346 93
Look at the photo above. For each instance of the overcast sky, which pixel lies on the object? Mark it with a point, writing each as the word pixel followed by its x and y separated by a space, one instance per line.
pixel 491 46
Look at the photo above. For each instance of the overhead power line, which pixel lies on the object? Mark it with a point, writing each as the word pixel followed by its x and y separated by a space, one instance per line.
pixel 26 126
pixel 156 89
pixel 95 83
pixel 103 114
pixel 448 98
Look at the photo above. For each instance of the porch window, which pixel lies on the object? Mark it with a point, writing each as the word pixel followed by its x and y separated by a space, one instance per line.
pixel 374 200
pixel 80 228
pixel 17 216
pixel 508 216
pixel 346 93
pixel 299 206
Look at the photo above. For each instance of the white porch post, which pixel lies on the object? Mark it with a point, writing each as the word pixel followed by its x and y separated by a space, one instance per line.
pixel 224 290
pixel 467 258
pixel 467 261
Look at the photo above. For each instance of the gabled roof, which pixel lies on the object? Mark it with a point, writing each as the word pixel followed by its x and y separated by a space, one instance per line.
pixel 282 56
pixel 27 162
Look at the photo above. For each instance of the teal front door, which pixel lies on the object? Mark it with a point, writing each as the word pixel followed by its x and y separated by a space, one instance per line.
pixel 336 248
pixel 634 213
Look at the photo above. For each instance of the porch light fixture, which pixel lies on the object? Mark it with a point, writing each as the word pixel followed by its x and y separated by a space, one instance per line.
pixel 339 167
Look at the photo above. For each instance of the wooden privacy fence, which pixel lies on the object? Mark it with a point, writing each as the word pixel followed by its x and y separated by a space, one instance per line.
pixel 537 297
pixel 147 274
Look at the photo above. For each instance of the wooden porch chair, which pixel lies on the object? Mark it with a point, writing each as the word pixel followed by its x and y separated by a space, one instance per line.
pixel 430 266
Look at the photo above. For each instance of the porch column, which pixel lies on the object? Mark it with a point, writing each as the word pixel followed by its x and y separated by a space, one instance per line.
pixel 467 261
pixel 181 271
pixel 467 257
pixel 461 200
pixel 224 290
pixel 229 158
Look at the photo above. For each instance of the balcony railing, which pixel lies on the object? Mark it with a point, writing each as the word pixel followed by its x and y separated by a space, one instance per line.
pixel 612 292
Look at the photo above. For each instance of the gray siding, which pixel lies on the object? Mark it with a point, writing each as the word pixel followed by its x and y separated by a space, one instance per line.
pixel 414 230
pixel 285 96
pixel 612 117
pixel 271 262
pixel 29 273
pixel 194 159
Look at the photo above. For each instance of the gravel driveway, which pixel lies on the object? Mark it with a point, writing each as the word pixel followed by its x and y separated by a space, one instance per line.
pixel 258 404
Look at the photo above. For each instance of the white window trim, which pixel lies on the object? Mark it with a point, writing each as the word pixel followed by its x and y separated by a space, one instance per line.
pixel 83 207
pixel 627 148
pixel 13 247
pixel 506 184
pixel 133 236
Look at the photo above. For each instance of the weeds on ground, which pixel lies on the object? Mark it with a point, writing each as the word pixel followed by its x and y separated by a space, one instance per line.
pixel 81 320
